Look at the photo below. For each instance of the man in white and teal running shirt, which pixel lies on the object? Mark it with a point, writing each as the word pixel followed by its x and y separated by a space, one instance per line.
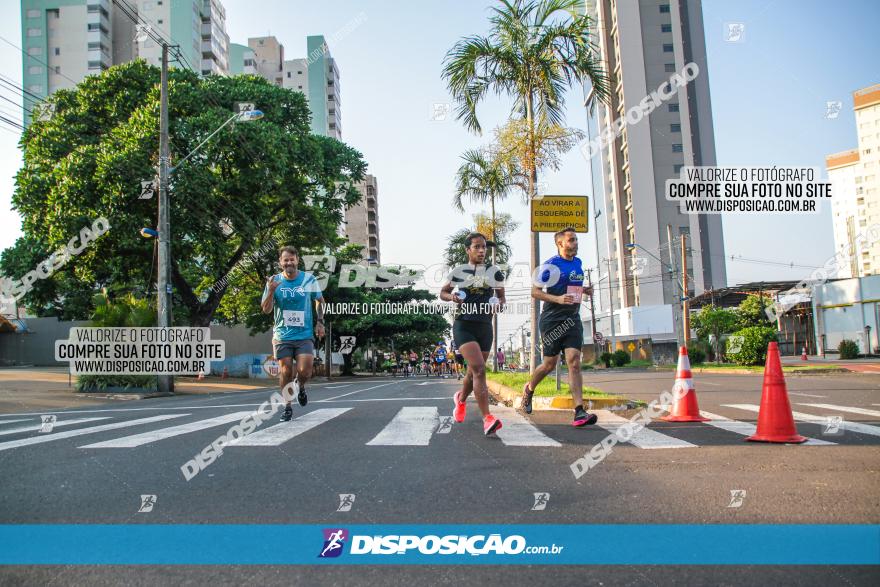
pixel 290 295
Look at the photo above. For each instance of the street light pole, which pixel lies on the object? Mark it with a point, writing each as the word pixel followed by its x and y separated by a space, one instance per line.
pixel 166 382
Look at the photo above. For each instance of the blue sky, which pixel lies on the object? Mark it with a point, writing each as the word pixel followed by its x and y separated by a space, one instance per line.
pixel 768 99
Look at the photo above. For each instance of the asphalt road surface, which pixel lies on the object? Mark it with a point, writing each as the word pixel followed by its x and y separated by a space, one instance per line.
pixel 391 444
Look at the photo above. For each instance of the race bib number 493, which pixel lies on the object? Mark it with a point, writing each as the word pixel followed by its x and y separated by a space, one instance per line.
pixel 294 318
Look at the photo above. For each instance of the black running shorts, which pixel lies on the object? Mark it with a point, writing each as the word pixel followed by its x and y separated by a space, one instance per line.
pixel 464 331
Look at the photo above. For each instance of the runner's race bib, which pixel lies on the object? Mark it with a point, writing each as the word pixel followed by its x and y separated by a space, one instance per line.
pixel 294 317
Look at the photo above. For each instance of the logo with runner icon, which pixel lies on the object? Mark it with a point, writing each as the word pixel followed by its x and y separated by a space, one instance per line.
pixel 334 541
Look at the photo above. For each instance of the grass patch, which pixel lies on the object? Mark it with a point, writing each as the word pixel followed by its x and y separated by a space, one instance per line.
pixel 545 388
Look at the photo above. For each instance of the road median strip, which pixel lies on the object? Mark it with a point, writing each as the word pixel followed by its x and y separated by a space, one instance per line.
pixel 506 388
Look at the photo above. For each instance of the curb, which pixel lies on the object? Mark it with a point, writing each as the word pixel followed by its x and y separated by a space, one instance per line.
pixel 513 398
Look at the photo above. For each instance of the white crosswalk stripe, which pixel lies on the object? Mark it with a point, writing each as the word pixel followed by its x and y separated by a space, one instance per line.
pixel 82 431
pixel 410 427
pixel 644 438
pixel 747 428
pixel 280 433
pixel 848 425
pixel 517 431
pixel 849 409
pixel 162 433
pixel 37 427
pixel 2 422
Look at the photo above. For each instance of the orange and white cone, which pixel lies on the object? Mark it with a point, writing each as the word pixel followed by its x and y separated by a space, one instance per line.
pixel 775 420
pixel 225 373
pixel 201 374
pixel 803 353
pixel 685 408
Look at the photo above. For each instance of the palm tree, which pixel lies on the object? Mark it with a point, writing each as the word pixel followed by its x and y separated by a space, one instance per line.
pixel 536 49
pixel 484 177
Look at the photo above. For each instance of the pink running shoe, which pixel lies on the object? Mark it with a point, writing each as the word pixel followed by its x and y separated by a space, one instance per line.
pixel 491 425
pixel 460 407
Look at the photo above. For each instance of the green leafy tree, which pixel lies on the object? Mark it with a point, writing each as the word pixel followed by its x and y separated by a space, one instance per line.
pixel 535 50
pixel 454 254
pixel 752 312
pixel 749 345
pixel 715 321
pixel 250 183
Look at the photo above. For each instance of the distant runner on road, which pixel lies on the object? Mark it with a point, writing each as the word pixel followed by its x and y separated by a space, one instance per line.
pixel 289 296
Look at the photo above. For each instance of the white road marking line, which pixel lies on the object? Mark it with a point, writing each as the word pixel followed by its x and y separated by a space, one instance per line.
pixel 280 433
pixel 11 421
pixel 81 431
pixel 848 425
pixel 337 386
pixel 357 391
pixel 410 427
pixel 644 438
pixel 378 399
pixel 517 431
pixel 861 411
pixel 162 433
pixel 805 394
pixel 709 383
pixel 38 427
pixel 747 428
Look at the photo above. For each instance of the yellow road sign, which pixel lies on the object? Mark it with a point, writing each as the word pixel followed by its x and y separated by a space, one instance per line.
pixel 631 347
pixel 553 213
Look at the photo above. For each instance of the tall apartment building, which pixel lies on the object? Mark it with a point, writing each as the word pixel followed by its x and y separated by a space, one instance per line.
pixel 362 220
pixel 242 59
pixel 66 40
pixel 641 44
pixel 855 205
pixel 315 75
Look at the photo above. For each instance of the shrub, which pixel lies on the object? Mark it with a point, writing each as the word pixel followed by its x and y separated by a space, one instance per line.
pixel 749 345
pixel 696 355
pixel 848 349
pixel 620 358
pixel 606 358
pixel 123 311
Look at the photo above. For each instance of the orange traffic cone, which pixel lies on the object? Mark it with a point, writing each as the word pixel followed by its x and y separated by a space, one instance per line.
pixel 225 373
pixel 775 421
pixel 803 353
pixel 201 374
pixel 685 408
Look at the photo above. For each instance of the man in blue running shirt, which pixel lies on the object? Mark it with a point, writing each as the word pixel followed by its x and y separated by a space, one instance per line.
pixel 560 322
pixel 290 296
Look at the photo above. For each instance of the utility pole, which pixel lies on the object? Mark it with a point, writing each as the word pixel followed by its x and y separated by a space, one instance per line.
pixel 685 313
pixel 166 382
pixel 673 281
pixel 593 315
pixel 611 300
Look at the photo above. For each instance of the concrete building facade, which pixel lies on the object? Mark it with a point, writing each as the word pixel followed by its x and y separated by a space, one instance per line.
pixel 855 177
pixel 362 220
pixel 641 44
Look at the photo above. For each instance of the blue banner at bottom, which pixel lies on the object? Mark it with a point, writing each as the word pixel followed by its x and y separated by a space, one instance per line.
pixel 721 544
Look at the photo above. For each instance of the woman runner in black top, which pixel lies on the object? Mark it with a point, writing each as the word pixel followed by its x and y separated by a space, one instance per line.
pixel 480 294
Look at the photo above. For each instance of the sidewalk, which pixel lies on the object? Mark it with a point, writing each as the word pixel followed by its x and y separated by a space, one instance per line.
pixel 867 365
pixel 33 389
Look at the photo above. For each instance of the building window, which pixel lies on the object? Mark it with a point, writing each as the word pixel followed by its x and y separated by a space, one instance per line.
pixel 677 148
pixel 674 128
pixel 159 21
pixel 665 28
pixel 664 9
pixel 35 89
pixel 35 32
pixel 299 73
pixel 94 65
pixel 299 87
pixel 33 13
pixel 58 69
pixel 35 70
pixel 673 107
pixel 288 74
pixel 670 67
pixel 35 50
pixel 667 47
pixel 330 97
pixel 57 50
